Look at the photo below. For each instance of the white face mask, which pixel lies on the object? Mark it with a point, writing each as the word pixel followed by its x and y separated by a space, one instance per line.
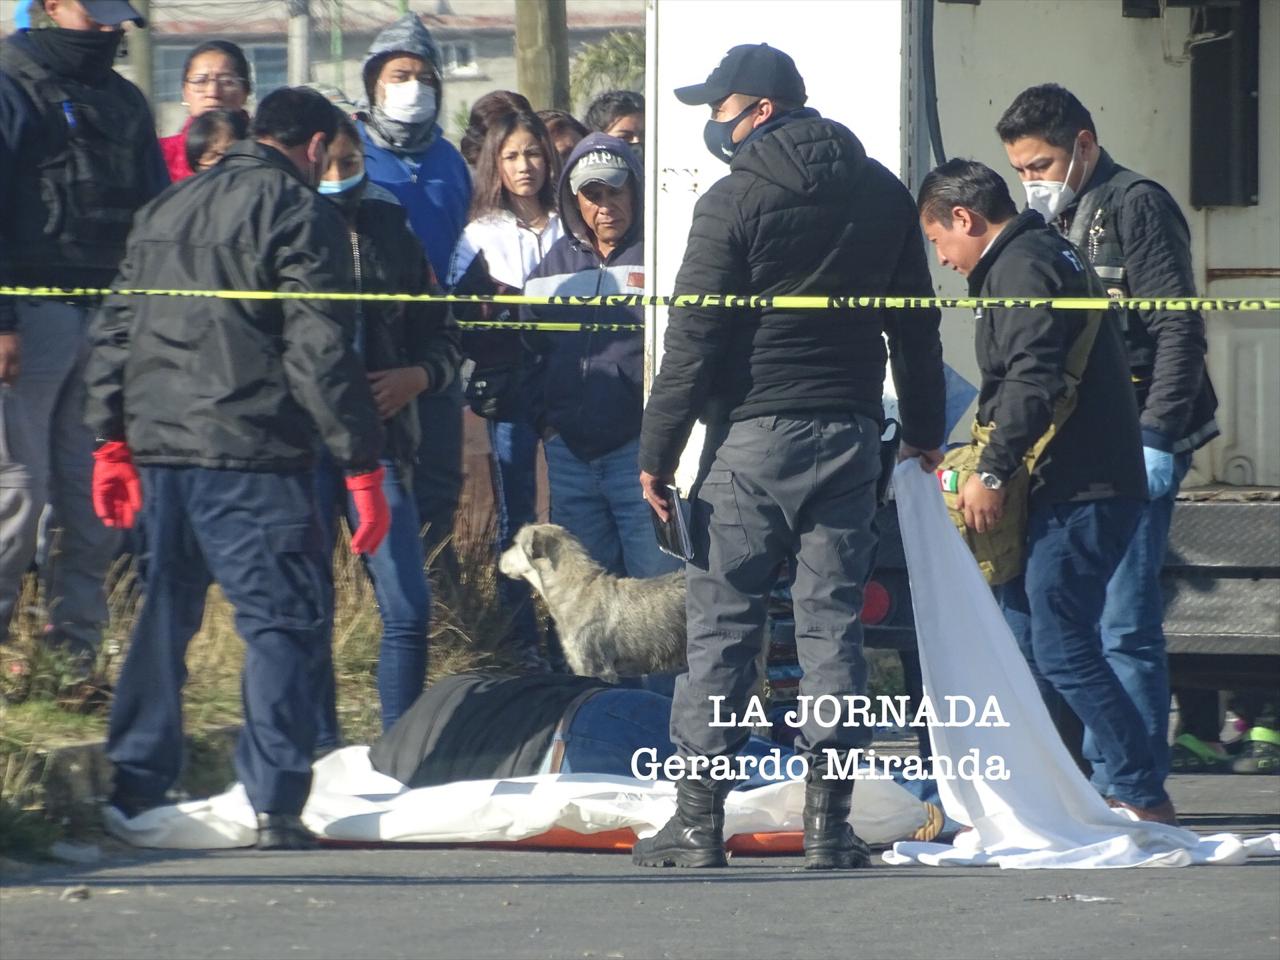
pixel 409 102
pixel 1050 197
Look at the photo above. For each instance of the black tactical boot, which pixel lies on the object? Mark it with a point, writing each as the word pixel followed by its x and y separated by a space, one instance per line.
pixel 829 840
pixel 284 831
pixel 694 837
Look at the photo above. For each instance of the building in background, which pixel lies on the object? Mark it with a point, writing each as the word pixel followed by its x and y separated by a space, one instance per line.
pixel 476 40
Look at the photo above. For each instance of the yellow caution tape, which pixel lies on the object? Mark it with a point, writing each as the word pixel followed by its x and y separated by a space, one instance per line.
pixel 691 300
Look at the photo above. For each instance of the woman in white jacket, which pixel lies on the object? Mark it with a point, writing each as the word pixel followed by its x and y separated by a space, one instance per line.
pixel 513 224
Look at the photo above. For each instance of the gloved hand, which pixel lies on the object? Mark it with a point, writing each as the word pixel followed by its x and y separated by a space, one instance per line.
pixel 1159 471
pixel 117 490
pixel 371 506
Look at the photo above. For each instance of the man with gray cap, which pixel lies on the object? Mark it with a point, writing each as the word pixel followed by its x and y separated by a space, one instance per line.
pixel 589 396
pixel 792 403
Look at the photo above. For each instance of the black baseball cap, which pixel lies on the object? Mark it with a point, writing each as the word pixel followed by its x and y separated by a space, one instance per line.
pixel 112 13
pixel 755 69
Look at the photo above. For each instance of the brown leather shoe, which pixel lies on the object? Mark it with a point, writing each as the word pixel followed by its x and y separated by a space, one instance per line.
pixel 1160 813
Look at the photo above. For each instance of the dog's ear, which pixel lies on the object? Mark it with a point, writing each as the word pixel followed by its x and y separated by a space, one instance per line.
pixel 543 546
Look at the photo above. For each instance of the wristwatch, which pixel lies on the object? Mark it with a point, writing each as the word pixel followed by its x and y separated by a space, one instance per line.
pixel 990 481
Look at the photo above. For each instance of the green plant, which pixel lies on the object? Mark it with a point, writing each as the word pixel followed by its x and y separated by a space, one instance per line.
pixel 614 63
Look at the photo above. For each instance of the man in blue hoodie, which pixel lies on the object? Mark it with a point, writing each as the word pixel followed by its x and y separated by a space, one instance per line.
pixel 591 393
pixel 405 152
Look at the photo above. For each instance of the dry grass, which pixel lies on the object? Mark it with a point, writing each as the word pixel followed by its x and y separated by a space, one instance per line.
pixel 39 707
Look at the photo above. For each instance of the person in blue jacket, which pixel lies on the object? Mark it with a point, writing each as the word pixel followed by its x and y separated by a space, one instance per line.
pixel 406 153
pixel 590 396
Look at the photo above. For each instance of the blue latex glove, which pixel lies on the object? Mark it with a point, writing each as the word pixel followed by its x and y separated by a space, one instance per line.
pixel 1159 471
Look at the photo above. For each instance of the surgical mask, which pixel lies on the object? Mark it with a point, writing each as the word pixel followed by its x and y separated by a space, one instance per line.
pixel 1050 197
pixel 409 102
pixel 347 193
pixel 718 135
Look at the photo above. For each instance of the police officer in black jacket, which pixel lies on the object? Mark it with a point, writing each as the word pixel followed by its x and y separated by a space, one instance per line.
pixel 223 404
pixel 1132 232
pixel 1087 489
pixel 78 157
pixel 792 402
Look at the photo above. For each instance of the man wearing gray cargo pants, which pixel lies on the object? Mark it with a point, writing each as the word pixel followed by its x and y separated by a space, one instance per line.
pixel 78 157
pixel 792 400
pixel 46 457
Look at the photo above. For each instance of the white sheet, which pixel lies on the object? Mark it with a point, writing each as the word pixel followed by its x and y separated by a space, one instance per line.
pixel 351 801
pixel 1046 814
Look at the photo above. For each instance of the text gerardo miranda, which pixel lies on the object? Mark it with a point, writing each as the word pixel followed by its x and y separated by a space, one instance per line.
pixel 829 712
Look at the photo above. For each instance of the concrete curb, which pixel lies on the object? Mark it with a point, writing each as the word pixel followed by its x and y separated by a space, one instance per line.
pixel 75 777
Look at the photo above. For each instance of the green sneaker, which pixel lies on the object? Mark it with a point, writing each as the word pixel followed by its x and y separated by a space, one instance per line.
pixel 1190 754
pixel 1261 752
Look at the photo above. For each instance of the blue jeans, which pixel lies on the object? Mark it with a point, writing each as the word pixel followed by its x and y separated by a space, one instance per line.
pixel 1133 629
pixel 513 465
pixel 1054 609
pixel 256 535
pixel 399 580
pixel 599 502
pixel 611 726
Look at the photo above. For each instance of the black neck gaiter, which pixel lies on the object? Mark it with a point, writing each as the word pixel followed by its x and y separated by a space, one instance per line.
pixel 84 55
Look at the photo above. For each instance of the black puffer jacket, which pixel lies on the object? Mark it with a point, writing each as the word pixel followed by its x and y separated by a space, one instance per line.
pixel 803 211
pixel 234 384
pixel 1022 353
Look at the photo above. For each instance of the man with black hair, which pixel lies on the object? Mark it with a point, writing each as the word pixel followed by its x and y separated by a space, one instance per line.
pixel 619 113
pixel 792 400
pixel 208 414
pixel 78 156
pixel 1132 232
pixel 1087 488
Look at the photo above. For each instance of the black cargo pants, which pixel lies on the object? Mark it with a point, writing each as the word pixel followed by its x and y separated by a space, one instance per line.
pixel 770 488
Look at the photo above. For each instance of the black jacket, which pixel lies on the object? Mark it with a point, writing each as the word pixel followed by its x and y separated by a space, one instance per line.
pixel 235 384
pixel 78 157
pixel 1136 238
pixel 803 211
pixel 1022 353
pixel 387 258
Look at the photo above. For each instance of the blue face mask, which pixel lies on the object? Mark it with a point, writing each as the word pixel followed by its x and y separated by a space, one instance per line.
pixel 329 188
pixel 718 135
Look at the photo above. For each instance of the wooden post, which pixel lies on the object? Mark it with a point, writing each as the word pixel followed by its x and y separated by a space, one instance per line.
pixel 542 53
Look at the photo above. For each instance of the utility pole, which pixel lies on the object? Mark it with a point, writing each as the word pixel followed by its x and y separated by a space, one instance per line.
pixel 542 53
pixel 299 56
pixel 335 41
pixel 140 50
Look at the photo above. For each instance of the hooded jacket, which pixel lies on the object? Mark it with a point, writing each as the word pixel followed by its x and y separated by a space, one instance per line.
pixel 590 383
pixel 1022 354
pixel 803 211
pixel 425 172
pixel 234 384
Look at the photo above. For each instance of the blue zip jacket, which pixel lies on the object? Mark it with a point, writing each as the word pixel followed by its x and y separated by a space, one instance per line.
pixel 433 186
pixel 591 383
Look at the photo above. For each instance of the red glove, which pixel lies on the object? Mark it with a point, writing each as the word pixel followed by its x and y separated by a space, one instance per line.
pixel 371 505
pixel 117 491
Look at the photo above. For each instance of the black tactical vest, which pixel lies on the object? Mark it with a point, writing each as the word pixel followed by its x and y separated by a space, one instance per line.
pixel 1094 233
pixel 80 175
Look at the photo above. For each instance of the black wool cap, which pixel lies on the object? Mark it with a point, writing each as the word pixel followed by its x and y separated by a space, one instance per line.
pixel 755 69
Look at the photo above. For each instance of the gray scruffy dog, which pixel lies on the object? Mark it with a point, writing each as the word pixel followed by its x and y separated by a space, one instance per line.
pixel 609 626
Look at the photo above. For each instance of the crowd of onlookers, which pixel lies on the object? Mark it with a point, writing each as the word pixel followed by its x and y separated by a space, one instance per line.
pixel 531 199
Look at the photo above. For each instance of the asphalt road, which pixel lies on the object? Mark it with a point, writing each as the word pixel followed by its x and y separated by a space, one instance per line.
pixel 480 903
